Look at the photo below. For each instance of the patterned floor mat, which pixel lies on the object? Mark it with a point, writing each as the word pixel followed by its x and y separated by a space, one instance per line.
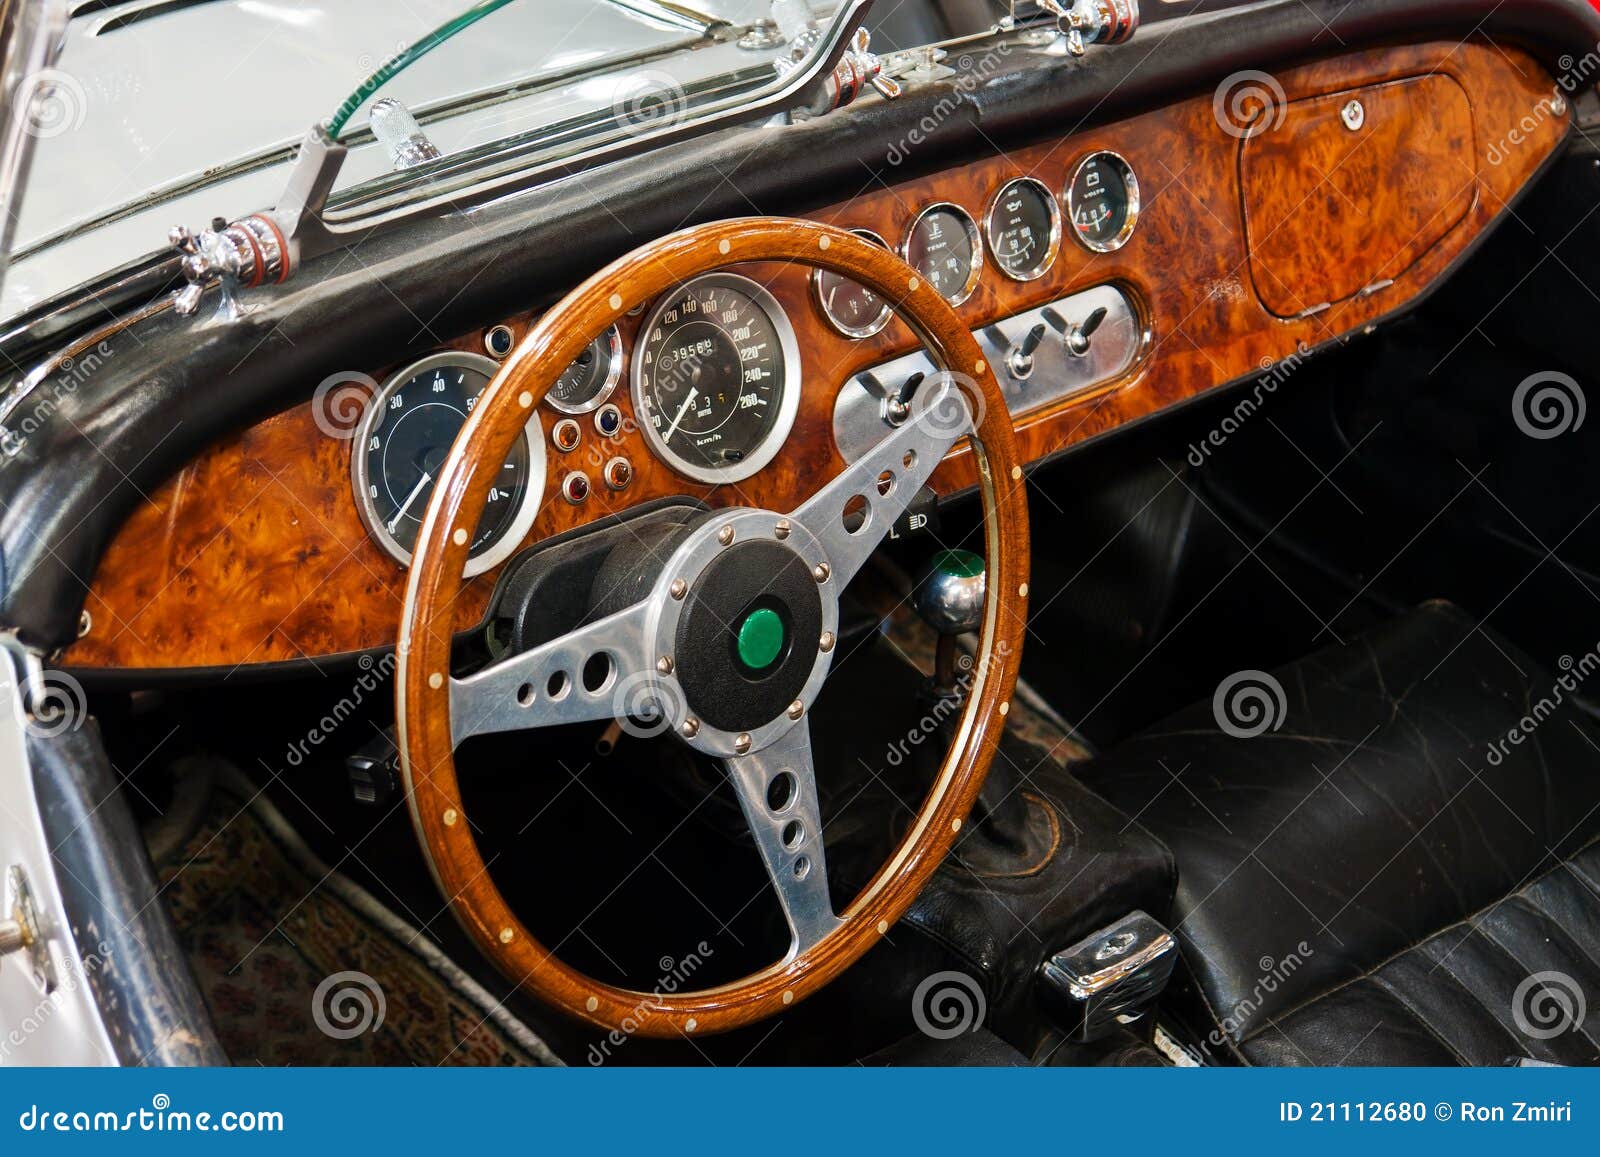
pixel 300 966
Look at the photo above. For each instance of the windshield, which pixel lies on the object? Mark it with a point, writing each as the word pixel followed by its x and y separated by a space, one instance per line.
pixel 156 114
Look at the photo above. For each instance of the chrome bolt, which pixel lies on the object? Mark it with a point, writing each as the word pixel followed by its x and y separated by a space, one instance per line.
pixel 782 528
pixel 678 589
pixel 826 642
pixel 741 743
pixel 796 709
pixel 664 664
pixel 690 728
pixel 725 535
pixel 822 571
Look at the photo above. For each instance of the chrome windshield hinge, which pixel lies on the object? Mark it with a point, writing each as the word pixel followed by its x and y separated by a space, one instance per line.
pixel 857 68
pixel 1084 22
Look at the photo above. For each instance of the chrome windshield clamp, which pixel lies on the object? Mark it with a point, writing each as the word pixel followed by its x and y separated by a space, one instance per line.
pixel 1085 22
pixel 857 68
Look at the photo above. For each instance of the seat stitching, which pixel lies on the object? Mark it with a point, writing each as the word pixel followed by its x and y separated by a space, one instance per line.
pixel 1394 991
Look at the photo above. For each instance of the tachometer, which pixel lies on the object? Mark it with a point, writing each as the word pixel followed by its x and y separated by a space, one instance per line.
pixel 716 377
pixel 404 435
pixel 1103 201
pixel 588 382
pixel 1023 229
pixel 943 246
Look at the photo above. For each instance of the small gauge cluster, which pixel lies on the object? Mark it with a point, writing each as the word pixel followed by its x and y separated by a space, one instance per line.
pixel 1021 234
pixel 714 374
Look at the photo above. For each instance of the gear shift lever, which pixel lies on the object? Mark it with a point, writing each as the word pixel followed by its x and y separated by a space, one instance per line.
pixel 949 597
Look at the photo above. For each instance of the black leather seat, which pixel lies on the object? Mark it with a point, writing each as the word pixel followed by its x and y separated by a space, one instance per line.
pixel 1404 871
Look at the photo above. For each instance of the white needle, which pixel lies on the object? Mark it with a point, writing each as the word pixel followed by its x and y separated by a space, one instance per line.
pixel 694 392
pixel 410 498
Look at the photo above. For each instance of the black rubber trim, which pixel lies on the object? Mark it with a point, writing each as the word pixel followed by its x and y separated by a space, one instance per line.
pixel 172 386
pixel 147 996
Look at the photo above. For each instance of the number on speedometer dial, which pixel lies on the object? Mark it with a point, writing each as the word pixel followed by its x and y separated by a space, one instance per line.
pixel 716 377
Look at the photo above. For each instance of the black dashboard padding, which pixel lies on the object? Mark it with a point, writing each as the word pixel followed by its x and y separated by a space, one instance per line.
pixel 148 999
pixel 1373 880
pixel 170 387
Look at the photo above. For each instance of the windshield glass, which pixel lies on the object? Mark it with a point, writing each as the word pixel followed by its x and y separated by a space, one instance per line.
pixel 158 114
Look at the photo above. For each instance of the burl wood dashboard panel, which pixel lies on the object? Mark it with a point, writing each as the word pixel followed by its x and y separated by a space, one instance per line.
pixel 255 553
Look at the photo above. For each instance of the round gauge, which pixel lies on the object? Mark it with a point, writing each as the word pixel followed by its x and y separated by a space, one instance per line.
pixel 1103 201
pixel 1023 229
pixel 716 377
pixel 849 308
pixel 402 441
pixel 588 382
pixel 943 246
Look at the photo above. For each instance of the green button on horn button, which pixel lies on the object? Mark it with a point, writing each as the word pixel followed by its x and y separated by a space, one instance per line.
pixel 760 638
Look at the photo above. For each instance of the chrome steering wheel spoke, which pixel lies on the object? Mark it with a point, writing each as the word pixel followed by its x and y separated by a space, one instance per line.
pixel 853 513
pixel 595 672
pixel 777 788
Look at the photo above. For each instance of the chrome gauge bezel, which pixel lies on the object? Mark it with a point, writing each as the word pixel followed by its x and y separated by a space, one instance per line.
pixel 884 314
pixel 1053 246
pixel 613 337
pixel 974 234
pixel 532 495
pixel 788 405
pixel 1129 178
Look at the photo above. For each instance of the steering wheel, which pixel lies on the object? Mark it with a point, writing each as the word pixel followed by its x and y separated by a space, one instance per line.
pixel 667 648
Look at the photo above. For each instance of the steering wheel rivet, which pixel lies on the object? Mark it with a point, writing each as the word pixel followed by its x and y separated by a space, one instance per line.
pixel 883 927
pixel 678 589
pixel 822 571
pixel 616 301
pixel 435 681
pixel 723 246
pixel 781 529
pixel 525 399
pixel 450 816
pixel 592 1003
pixel 664 664
pixel 788 997
pixel 1016 473
pixel 955 824
pixel 824 242
pixel 826 642
pixel 725 535
pixel 506 935
pixel 796 709
pixel 1005 708
pixel 741 743
pixel 459 537
pixel 1022 591
pixel 691 1025
pixel 914 284
pixel 690 728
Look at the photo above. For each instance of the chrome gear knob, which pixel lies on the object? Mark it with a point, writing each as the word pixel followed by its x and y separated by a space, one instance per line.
pixel 949 596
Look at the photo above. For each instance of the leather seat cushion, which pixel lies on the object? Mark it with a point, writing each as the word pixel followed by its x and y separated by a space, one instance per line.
pixel 1372 877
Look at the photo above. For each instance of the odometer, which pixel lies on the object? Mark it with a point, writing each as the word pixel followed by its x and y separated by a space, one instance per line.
pixel 1023 229
pixel 716 377
pixel 1103 202
pixel 403 438
pixel 943 246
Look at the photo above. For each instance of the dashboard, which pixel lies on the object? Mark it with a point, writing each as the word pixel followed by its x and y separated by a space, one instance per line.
pixel 1108 272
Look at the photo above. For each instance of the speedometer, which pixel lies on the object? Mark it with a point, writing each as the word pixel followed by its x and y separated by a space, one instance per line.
pixel 716 377
pixel 405 435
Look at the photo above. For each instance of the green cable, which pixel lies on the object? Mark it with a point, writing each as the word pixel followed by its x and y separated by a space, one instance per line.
pixel 403 60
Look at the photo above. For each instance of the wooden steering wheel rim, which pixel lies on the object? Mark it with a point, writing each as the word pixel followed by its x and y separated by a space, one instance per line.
pixel 423 682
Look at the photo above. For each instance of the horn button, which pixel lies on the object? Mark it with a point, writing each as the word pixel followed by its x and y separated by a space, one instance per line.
pixel 747 638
